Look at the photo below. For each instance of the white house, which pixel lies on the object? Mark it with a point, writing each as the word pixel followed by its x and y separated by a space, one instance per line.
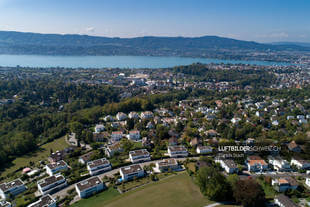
pixel 120 116
pixel 166 165
pixel 228 165
pixel 308 181
pixel 98 166
pixel 141 155
pixel 99 128
pixel 110 150
pixel 133 115
pixel 131 172
pixel 51 184
pixel 146 115
pixel 116 136
pixel 14 187
pixel 44 201
pixel 5 204
pixel 204 149
pixel 134 135
pixel 300 163
pixel 89 187
pixel 177 151
pixel 283 201
pixel 284 184
pixel 256 163
pixel 235 120
pixel 53 168
pixel 279 164
pixel 85 158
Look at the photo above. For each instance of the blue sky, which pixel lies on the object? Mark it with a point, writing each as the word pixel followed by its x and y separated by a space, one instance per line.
pixel 257 20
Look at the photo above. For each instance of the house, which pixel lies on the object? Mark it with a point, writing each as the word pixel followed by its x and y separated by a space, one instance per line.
pixel 177 151
pixel 284 184
pixel 89 187
pixel 110 150
pixel 85 158
pixel 98 166
pixel 290 117
pixel 146 142
pixel 5 204
pixel 146 115
pixel 150 125
pixel 279 164
pixel 131 172
pixel 134 135
pixel 166 165
pixel 108 118
pixel 51 184
pixel 13 188
pixel 53 168
pixel 141 155
pixel 203 149
pixel 133 115
pixel 194 142
pixel 120 116
pixel 292 146
pixel 99 128
pixel 100 137
pixel 211 133
pixel 173 141
pixel 227 164
pixel 60 155
pixel 44 201
pixel 283 201
pixel 300 163
pixel 307 181
pixel 116 136
pixel 256 163
pixel 235 120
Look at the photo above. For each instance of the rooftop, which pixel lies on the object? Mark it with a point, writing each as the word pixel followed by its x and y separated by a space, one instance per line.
pixel 85 184
pixel 131 169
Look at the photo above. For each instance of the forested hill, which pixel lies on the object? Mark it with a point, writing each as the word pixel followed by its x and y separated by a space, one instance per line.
pixel 206 46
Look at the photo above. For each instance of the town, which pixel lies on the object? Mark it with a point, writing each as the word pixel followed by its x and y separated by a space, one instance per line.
pixel 249 124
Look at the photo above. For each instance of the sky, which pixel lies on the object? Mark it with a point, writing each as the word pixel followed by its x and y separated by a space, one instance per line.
pixel 253 20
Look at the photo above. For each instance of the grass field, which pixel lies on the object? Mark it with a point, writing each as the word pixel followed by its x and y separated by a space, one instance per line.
pixel 175 191
pixel 41 154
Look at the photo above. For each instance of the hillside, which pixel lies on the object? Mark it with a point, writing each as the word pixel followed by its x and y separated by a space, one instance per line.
pixel 206 46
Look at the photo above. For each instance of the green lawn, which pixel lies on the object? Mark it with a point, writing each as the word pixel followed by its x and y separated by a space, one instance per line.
pixel 41 154
pixel 98 199
pixel 175 191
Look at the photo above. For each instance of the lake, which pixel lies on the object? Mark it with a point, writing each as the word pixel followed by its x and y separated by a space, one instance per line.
pixel 112 61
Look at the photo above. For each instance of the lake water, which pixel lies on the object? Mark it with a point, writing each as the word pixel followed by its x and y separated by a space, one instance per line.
pixel 112 61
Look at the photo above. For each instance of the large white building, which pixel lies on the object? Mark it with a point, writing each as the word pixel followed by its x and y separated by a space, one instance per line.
pixel 54 168
pixel 44 201
pixel 283 201
pixel 166 165
pixel 89 187
pixel 177 151
pixel 278 163
pixel 51 184
pixel 228 165
pixel 131 172
pixel 300 163
pixel 14 188
pixel 141 155
pixel 5 204
pixel 96 167
pixel 120 116
pixel 204 149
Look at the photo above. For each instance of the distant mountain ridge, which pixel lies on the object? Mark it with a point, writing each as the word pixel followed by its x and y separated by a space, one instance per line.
pixel 302 44
pixel 72 44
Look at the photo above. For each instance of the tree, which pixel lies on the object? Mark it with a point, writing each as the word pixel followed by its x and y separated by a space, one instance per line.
pixel 213 184
pixel 249 193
